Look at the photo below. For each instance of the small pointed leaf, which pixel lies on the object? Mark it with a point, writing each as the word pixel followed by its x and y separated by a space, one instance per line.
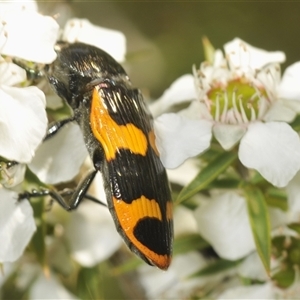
pixel 207 175
pixel 260 223
pixel 276 198
pixel 38 240
pixel 209 50
pixel 189 242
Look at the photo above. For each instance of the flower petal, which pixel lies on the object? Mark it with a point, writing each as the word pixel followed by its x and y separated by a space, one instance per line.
pixel 289 87
pixel 157 284
pixel 16 225
pixel 54 102
pixel 228 134
pixel 273 149
pixel 223 221
pixel 184 221
pixel 111 41
pixel 242 55
pixel 181 90
pixel 196 111
pixel 59 158
pixel 281 111
pixel 185 173
pixel 255 291
pixel 178 138
pixel 23 122
pixel 252 267
pixel 28 35
pixel 17 5
pixel 11 74
pixel 49 288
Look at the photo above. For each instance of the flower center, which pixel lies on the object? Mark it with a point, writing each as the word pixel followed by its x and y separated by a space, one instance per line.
pixel 239 102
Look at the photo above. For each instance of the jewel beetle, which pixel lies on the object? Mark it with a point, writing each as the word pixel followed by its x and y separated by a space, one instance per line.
pixel 118 132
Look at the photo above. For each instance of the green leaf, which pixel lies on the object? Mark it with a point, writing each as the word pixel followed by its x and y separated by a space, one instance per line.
pixel 225 183
pixel 284 278
pixel 276 198
pixel 185 243
pixel 88 283
pixel 260 223
pixel 296 123
pixel 207 175
pixel 295 227
pixel 32 181
pixel 279 245
pixel 38 240
pixel 98 283
pixel 216 267
pixel 10 287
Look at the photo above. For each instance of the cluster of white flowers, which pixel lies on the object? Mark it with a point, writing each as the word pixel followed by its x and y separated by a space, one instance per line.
pixel 27 34
pixel 239 98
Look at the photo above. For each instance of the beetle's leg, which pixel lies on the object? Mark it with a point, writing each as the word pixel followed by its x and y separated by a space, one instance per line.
pixel 91 198
pixel 54 127
pixel 69 192
pixel 45 192
pixel 75 198
pixel 82 189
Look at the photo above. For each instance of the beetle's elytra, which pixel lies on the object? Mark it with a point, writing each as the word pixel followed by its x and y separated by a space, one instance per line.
pixel 118 133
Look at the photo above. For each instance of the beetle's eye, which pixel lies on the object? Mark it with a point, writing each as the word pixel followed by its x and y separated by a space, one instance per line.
pixel 108 82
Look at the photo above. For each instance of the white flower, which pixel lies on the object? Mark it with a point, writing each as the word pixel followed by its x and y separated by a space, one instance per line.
pixel 24 33
pixel 240 98
pixel 16 225
pixel 109 40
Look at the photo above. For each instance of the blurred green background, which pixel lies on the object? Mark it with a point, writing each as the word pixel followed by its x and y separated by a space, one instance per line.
pixel 164 37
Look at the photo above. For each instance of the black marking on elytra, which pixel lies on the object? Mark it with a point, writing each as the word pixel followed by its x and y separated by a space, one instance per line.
pixel 152 233
pixel 134 175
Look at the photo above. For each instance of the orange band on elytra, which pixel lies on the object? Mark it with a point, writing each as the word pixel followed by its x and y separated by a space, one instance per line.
pixel 130 214
pixel 113 136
